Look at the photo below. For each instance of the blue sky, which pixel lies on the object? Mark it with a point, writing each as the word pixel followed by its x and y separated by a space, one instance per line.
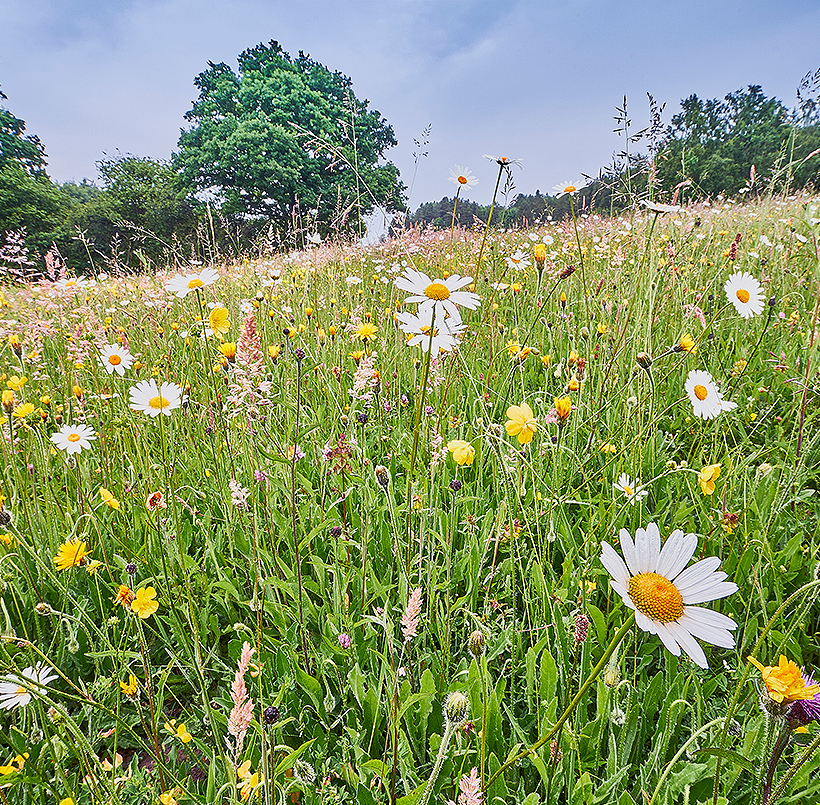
pixel 527 79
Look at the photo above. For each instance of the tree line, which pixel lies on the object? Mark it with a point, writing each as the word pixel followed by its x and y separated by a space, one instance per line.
pixel 281 149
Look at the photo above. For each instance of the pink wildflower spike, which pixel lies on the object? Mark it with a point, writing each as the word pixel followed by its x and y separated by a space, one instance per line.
pixel 470 786
pixel 239 720
pixel 410 619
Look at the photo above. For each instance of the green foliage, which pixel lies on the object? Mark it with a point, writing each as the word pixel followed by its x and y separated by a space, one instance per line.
pixel 26 150
pixel 284 134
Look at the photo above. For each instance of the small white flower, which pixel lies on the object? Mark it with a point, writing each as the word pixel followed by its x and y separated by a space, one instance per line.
pixel 183 284
pixel 462 177
pixel 568 188
pixel 116 359
pixel 72 284
pixel 17 691
pixel 745 293
pixel 441 295
pixel 632 490
pixel 74 438
pixel 153 400
pixel 660 208
pixel 705 396
pixel 518 261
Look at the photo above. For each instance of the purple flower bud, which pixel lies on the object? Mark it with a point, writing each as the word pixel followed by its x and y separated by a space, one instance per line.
pixel 344 641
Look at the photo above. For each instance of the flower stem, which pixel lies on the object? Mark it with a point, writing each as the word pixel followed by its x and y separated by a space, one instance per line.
pixel 442 752
pixel 570 709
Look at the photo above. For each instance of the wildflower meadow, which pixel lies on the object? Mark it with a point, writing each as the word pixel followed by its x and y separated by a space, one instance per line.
pixel 481 516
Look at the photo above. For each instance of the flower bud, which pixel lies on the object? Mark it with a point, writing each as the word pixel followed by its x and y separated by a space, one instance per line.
pixel 477 644
pixel 456 708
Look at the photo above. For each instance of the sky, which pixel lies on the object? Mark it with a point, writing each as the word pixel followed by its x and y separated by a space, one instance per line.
pixel 535 80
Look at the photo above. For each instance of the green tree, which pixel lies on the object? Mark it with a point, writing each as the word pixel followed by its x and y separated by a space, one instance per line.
pixel 714 143
pixel 24 149
pixel 284 135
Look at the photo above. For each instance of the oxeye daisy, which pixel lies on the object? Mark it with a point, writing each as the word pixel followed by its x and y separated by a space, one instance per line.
pixel 568 188
pixel 74 438
pixel 183 284
pixel 462 177
pixel 440 296
pixel 17 691
pixel 116 359
pixel 153 400
pixel 445 333
pixel 745 293
pixel 504 162
pixel 654 583
pixel 632 490
pixel 519 261
pixel 705 396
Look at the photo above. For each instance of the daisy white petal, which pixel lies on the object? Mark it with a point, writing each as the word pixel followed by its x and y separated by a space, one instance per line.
pixel 614 564
pixel 628 547
pixel 745 293
pixel 677 551
pixel 667 638
pixel 688 643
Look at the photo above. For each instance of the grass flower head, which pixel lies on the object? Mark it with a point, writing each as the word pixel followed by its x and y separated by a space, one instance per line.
pixel 652 581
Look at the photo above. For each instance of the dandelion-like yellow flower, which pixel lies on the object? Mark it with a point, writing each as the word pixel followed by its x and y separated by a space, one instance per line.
pixel 366 331
pixel 521 422
pixel 71 554
pixel 563 407
pixel 707 477
pixel 124 596
pixel 145 602
pixel 219 321
pixel 23 410
pixel 539 252
pixel 463 452
pixel 784 681
pixel 687 344
pixel 130 687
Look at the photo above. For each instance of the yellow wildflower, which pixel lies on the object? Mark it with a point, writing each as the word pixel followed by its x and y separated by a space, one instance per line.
pixel 707 477
pixel 463 452
pixel 521 422
pixel 109 499
pixel 219 321
pixel 145 603
pixel 71 553
pixel 784 681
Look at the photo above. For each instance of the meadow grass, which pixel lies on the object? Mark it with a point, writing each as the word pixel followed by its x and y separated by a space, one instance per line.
pixel 269 594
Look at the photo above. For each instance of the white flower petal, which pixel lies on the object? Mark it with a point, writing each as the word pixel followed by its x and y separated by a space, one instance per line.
pixel 623 592
pixel 689 644
pixel 647 548
pixel 711 634
pixel 667 638
pixel 713 593
pixel 628 548
pixel 676 553
pixel 614 564
pixel 694 574
pixel 709 617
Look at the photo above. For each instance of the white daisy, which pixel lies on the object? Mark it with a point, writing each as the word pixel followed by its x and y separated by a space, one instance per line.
pixel 183 284
pixel 153 400
pixel 116 359
pixel 440 295
pixel 707 401
pixel 745 293
pixel 654 583
pixel 74 438
pixel 504 162
pixel 519 261
pixel 568 188
pixel 462 177
pixel 72 284
pixel 632 490
pixel 16 692
pixel 445 335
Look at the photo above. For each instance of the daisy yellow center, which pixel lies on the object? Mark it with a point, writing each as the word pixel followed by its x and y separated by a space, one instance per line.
pixel 20 691
pixel 701 392
pixel 158 402
pixel 195 283
pixel 742 294
pixel 628 491
pixel 570 188
pixel 462 180
pixel 74 437
pixel 437 290
pixel 115 360
pixel 656 597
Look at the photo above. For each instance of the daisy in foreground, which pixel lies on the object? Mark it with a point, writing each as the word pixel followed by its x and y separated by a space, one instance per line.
pixel 183 284
pixel 705 396
pixel 17 691
pixel 654 583
pixel 441 295
pixel 74 438
pixel 745 293
pixel 153 400
pixel 445 333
